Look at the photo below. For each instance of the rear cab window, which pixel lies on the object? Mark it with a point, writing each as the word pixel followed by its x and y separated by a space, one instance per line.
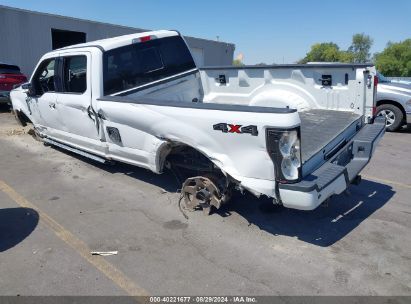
pixel 137 64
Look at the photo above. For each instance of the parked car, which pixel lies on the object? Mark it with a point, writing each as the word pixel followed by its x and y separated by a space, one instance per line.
pixel 393 102
pixel 10 77
pixel 400 81
pixel 296 133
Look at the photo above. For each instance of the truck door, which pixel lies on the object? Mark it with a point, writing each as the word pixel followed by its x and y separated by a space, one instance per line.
pixel 43 105
pixel 74 100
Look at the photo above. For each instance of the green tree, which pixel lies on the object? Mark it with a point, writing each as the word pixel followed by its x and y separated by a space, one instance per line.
pixel 346 56
pixel 359 51
pixel 237 62
pixel 320 52
pixel 360 48
pixel 395 59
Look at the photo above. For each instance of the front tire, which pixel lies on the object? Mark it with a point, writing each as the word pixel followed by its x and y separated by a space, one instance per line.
pixel 393 114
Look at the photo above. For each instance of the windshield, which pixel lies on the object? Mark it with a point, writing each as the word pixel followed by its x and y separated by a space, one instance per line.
pixel 137 64
pixel 382 78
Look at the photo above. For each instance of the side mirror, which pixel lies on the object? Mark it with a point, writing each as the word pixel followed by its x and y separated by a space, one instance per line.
pixel 29 89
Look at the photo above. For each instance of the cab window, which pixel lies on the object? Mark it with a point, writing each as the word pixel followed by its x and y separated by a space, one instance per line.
pixel 44 78
pixel 137 64
pixel 75 74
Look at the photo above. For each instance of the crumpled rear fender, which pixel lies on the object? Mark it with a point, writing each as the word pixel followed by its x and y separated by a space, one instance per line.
pixel 243 156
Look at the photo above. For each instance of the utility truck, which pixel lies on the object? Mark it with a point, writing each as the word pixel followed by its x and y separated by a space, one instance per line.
pixel 295 133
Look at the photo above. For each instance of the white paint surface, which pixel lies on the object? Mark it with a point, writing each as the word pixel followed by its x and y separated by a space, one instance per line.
pixel 146 129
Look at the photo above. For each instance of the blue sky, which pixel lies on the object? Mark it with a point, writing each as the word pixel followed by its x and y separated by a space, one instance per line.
pixel 264 31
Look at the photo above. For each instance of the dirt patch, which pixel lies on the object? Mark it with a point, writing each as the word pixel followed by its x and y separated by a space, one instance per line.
pixel 14 131
pixel 10 127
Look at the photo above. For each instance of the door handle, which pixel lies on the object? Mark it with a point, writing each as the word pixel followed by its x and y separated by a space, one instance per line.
pixel 52 105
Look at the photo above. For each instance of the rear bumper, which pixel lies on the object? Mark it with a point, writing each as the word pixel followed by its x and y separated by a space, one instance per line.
pixel 408 117
pixel 335 175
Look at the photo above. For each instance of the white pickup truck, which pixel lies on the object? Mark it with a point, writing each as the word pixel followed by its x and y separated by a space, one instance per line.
pixel 296 133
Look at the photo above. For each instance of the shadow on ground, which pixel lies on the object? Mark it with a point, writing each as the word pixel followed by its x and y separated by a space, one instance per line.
pixel 15 225
pixel 405 129
pixel 166 181
pixel 5 108
pixel 323 226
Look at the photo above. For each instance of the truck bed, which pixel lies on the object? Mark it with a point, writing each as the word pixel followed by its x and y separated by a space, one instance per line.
pixel 320 127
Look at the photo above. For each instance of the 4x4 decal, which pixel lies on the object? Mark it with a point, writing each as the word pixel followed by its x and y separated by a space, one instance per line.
pixel 238 129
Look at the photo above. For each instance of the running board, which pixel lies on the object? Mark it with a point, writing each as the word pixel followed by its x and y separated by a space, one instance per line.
pixel 75 150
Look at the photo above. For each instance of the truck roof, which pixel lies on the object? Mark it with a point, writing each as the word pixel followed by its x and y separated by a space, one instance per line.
pixel 119 41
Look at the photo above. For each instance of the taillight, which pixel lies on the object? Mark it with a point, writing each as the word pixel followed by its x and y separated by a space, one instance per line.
pixel 145 38
pixel 374 108
pixel 284 148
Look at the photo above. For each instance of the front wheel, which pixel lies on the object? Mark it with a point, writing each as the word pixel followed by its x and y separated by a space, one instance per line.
pixel 394 116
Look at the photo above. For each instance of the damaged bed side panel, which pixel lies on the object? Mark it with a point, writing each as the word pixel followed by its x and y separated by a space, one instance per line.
pixel 146 129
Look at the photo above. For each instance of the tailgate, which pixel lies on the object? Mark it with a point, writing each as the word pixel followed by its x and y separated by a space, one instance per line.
pixel 334 176
pixel 323 132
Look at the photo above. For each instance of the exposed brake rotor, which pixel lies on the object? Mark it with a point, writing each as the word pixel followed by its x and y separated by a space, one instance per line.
pixel 201 193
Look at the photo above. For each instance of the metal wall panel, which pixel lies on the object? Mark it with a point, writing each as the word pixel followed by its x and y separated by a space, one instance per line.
pixel 25 36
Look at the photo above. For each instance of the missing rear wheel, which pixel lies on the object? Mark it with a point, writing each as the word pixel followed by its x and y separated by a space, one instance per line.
pixel 203 193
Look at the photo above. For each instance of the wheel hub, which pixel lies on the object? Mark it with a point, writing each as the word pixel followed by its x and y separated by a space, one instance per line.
pixel 200 193
pixel 389 116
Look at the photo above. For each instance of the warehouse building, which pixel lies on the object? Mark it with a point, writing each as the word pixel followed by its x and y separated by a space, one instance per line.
pixel 26 35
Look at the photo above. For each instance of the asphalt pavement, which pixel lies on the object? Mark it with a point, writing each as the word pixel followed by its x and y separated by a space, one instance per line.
pixel 56 207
